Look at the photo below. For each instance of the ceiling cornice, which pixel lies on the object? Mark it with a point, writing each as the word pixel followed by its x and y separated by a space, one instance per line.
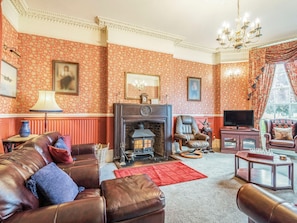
pixel 23 10
pixel 114 24
pixel 100 23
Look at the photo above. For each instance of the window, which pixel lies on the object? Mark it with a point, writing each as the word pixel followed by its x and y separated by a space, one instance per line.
pixel 282 102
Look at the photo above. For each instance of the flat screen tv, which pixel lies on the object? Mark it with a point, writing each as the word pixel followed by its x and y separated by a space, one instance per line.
pixel 239 118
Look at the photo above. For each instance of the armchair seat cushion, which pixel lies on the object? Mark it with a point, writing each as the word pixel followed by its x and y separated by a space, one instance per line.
pixel 199 144
pixel 282 143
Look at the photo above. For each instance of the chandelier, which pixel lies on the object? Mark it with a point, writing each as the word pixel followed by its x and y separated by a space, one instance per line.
pixel 244 34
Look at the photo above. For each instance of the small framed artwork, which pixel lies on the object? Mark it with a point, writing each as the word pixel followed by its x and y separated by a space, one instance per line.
pixel 8 80
pixel 138 84
pixel 65 77
pixel 194 89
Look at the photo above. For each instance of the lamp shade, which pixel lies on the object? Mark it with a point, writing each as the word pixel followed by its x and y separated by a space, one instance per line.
pixel 46 103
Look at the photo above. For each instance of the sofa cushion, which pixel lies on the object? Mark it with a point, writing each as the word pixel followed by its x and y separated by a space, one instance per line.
pixel 67 141
pixel 283 133
pixel 55 185
pixel 60 155
pixel 61 144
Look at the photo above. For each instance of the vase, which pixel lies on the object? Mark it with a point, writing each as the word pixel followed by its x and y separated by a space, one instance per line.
pixel 25 129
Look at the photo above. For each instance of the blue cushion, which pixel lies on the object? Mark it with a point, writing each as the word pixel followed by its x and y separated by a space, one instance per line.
pixel 61 144
pixel 55 184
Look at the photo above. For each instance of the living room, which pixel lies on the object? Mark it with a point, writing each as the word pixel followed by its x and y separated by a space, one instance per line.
pixel 104 51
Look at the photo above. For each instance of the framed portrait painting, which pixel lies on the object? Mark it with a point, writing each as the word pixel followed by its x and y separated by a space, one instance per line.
pixel 194 89
pixel 8 80
pixel 65 77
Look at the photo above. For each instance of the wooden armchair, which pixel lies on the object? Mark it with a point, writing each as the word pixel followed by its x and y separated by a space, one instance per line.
pixel 188 134
pixel 281 134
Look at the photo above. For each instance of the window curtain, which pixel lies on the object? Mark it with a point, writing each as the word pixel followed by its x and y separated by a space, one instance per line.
pixel 262 66
pixel 291 68
pixel 1 31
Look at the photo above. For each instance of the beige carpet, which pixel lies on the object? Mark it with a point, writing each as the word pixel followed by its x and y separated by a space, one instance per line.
pixel 208 200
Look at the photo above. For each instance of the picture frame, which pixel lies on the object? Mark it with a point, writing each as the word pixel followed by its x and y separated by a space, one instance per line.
pixel 137 84
pixel 8 80
pixel 194 89
pixel 65 77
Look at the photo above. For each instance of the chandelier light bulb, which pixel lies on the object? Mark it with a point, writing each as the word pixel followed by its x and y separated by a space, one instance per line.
pixel 244 33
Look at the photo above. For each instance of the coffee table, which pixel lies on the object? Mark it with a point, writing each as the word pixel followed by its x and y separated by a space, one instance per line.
pixel 272 173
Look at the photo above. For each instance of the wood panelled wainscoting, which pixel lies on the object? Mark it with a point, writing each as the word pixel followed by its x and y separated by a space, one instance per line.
pixel 81 130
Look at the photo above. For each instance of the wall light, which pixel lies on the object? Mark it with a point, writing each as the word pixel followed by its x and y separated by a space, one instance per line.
pixel 233 72
pixel 11 49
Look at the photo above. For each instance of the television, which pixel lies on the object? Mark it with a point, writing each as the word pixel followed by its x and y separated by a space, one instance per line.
pixel 239 118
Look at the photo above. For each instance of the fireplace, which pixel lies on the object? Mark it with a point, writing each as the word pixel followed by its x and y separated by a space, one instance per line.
pixel 156 119
pixel 141 141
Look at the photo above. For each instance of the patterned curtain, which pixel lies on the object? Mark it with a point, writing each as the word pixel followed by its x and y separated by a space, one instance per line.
pixel 256 80
pixel 262 66
pixel 0 31
pixel 291 68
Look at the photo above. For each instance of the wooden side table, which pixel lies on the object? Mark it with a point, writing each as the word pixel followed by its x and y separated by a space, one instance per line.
pixel 10 143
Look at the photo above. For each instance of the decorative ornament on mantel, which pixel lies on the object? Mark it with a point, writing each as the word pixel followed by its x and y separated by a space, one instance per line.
pixel 244 34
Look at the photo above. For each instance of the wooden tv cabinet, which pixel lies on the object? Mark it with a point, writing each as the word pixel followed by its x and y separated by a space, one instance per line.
pixel 234 140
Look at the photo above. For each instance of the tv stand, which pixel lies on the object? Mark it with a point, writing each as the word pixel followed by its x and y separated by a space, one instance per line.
pixel 237 139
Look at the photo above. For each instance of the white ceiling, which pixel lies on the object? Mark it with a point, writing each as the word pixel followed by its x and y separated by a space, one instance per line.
pixel 197 21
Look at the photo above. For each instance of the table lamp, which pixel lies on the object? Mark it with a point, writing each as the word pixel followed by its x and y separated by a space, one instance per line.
pixel 46 103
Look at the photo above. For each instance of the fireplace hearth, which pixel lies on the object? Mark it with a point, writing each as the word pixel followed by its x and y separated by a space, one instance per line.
pixel 156 121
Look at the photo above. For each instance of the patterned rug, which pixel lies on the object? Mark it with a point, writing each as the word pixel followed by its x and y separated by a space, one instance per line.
pixel 163 174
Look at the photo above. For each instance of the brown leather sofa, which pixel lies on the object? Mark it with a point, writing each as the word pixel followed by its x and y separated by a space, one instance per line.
pixel 18 204
pixel 287 136
pixel 262 207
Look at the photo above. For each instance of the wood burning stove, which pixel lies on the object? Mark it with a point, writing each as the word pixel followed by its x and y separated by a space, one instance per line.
pixel 142 141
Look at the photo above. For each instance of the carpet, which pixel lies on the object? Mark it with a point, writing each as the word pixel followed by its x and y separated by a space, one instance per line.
pixel 163 174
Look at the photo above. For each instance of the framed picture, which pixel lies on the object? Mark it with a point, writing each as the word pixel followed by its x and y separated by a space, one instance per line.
pixel 65 77
pixel 8 80
pixel 139 84
pixel 194 89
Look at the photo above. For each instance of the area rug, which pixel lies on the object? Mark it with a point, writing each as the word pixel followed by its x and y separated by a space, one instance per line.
pixel 163 174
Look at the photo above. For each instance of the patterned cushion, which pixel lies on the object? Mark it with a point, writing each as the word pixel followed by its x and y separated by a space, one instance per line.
pixel 283 133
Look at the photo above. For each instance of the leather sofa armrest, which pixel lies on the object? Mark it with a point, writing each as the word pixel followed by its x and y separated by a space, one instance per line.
pixel 83 149
pixel 266 207
pixel 181 136
pixel 201 136
pixel 91 210
pixel 85 175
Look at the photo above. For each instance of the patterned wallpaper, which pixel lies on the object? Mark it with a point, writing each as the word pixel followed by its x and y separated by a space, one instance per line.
pixel 234 88
pixel 173 78
pixel 102 76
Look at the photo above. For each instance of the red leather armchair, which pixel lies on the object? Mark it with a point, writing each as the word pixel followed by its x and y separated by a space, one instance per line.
pixel 281 134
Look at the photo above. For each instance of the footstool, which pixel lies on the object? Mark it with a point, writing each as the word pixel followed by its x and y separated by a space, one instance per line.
pixel 133 199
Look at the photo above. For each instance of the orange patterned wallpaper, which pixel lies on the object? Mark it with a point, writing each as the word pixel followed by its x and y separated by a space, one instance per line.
pixel 10 39
pixel 36 73
pixel 234 89
pixel 173 78
pixel 102 76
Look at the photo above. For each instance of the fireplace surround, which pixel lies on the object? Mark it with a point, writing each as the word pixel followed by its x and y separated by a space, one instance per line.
pixel 155 117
